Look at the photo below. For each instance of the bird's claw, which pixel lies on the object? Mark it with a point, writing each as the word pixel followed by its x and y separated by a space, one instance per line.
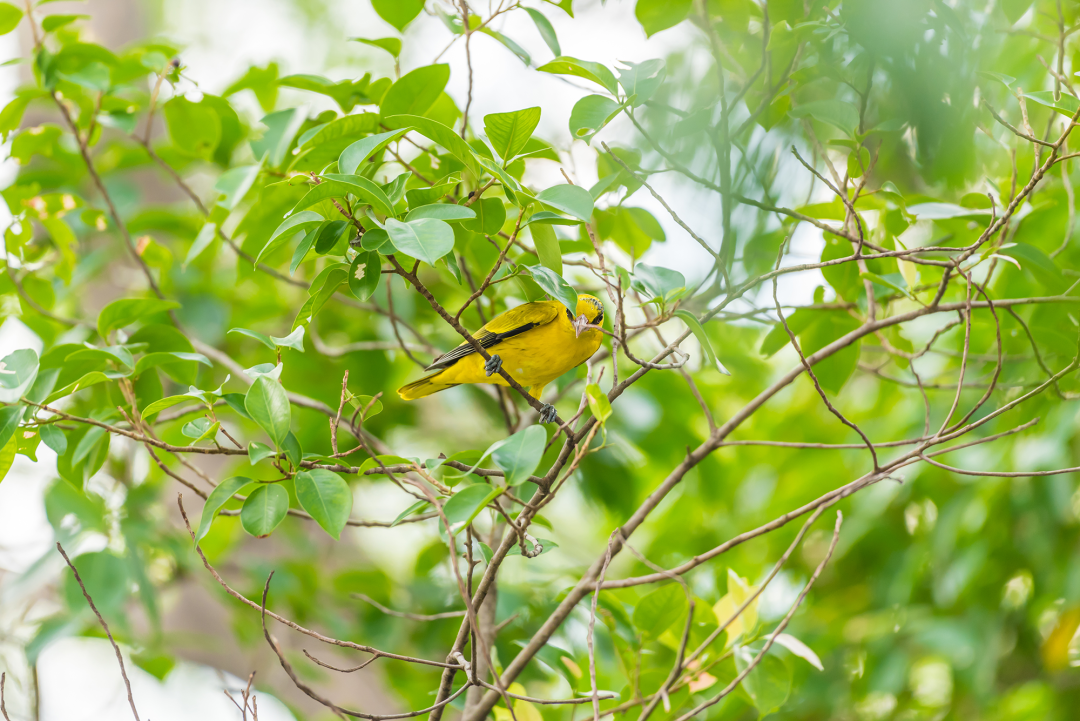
pixel 548 414
pixel 493 365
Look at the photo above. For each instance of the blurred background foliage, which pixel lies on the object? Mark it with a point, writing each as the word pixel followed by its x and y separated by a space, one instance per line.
pixel 949 596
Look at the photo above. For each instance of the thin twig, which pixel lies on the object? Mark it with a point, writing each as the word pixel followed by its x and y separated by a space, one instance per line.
pixel 410 616
pixel 105 626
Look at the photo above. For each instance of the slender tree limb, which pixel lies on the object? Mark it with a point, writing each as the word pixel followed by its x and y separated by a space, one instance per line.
pixel 105 627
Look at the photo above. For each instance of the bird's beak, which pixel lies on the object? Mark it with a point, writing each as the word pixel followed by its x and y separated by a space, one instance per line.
pixel 580 323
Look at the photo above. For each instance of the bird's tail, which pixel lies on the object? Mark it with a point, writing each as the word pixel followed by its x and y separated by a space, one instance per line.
pixel 423 387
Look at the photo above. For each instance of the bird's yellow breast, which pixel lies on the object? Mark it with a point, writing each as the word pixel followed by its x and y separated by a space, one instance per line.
pixel 533 358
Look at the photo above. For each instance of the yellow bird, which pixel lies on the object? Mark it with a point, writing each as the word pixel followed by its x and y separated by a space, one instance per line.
pixel 537 343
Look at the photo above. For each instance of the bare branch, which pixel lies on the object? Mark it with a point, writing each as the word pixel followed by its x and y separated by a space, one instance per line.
pixel 105 626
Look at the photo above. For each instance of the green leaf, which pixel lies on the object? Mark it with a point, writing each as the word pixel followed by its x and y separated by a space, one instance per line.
pixel 658 610
pixel 200 429
pixel 844 116
pixel 510 44
pixel 105 576
pixel 64 239
pixel 835 370
pixel 167 358
pixel 13 112
pixel 124 312
pixel 556 286
pixel 1015 9
pixel 195 128
pixel 441 134
pixel 264 509
pixel 409 511
pixel 398 13
pixel 347 93
pixel 547 247
pixel 326 497
pixel 86 444
pixel 89 379
pixel 467 503
pixel 800 649
pixel 641 80
pixel 294 340
pixel 415 92
pixel 258 451
pixel 395 189
pixel 218 498
pixel 109 354
pixel 594 72
pixel 18 370
pixel 236 403
pixel 896 283
pixel 425 239
pixel 657 15
pixel 322 289
pixel 598 403
pixel 490 216
pixel 281 130
pixel 292 449
pixel 295 223
pixel 570 199
pixel 54 22
pixel 703 339
pixel 658 282
pixel 633 229
pixel 1067 105
pixel 366 190
pixel 9 18
pixel 54 438
pixel 157 406
pixel 9 422
pixel 546 217
pixel 448 212
pixel 362 402
pixel 365 274
pixel 7 455
pixel 768 684
pixel 591 114
pixel 390 45
pixel 547 31
pixel 509 132
pixel 1039 264
pixel 567 6
pixel 416 197
pixel 303 248
pixel 202 242
pixel 354 156
pixel 268 406
pixel 235 183
pixel 261 337
pixel 520 454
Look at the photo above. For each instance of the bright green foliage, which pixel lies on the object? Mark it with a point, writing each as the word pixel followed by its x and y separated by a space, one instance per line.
pixel 510 132
pixel 326 497
pixel 264 509
pixel 657 15
pixel 268 406
pixel 519 455
pixel 221 332
pixel 218 498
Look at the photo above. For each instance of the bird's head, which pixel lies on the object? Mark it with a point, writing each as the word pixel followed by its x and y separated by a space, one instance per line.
pixel 590 313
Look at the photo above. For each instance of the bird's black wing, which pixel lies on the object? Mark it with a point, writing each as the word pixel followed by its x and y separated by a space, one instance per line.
pixel 513 322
